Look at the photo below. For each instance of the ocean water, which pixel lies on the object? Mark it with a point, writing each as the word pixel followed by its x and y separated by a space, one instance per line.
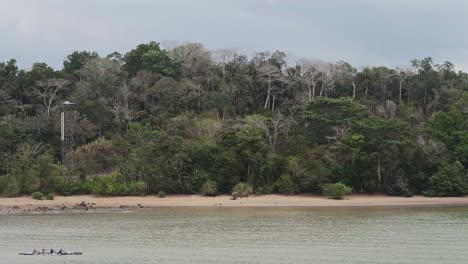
pixel 241 235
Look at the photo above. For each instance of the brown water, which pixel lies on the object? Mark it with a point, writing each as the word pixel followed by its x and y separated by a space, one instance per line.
pixel 241 235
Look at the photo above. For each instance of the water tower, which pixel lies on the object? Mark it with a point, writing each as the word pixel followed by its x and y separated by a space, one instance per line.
pixel 66 125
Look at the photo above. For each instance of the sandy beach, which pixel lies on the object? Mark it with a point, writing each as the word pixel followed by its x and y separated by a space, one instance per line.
pixel 26 203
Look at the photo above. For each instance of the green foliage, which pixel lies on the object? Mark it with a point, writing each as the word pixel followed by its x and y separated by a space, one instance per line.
pixel 209 188
pixel 399 186
pixel 243 189
pixel 49 196
pixel 245 150
pixel 47 173
pixel 137 188
pixel 92 158
pixel 77 59
pixel 450 180
pixel 161 194
pixel 309 172
pixel 8 186
pixel 336 190
pixel 150 57
pixel 37 196
pixel 70 187
pixel 106 186
pixel 266 189
pixel 285 185
pixel 177 121
pixel 452 128
pixel 324 113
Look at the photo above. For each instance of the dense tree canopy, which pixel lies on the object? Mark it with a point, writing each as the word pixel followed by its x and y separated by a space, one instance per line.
pixel 186 119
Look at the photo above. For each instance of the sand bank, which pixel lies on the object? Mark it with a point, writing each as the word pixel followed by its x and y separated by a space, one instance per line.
pixel 87 202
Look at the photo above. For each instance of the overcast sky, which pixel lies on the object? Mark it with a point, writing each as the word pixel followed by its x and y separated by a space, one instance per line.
pixel 362 32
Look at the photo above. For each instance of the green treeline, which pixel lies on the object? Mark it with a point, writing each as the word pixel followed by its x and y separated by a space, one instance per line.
pixel 190 120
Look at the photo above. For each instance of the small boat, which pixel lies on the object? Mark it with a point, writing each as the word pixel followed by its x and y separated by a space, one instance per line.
pixel 71 253
pixel 64 253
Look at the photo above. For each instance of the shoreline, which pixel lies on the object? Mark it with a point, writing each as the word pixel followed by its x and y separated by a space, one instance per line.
pixel 87 202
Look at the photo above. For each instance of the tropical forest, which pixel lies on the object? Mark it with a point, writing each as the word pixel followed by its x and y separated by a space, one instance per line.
pixel 183 119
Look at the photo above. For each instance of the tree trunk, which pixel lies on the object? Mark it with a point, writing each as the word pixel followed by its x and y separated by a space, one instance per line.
pixel 382 95
pixel 425 95
pixel 248 173
pixel 354 90
pixel 313 92
pixel 224 71
pixel 268 96
pixel 273 103
pixel 408 95
pixel 399 94
pixel 378 173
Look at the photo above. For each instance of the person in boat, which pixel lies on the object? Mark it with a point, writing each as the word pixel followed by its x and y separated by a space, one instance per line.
pixel 43 251
pixel 60 252
pixel 52 251
pixel 35 252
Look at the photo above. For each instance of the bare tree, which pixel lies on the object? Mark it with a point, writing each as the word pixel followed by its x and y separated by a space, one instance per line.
pixel 123 104
pixel 402 73
pixel 327 78
pixel 29 150
pixel 273 127
pixel 345 75
pixel 208 126
pixel 100 69
pixel 47 90
pixel 223 57
pixel 142 84
pixel 310 76
pixel 390 109
pixel 195 58
pixel 278 90
pixel 339 134
pixel 269 73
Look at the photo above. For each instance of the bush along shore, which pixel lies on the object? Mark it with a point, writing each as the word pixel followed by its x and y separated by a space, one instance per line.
pixel 188 120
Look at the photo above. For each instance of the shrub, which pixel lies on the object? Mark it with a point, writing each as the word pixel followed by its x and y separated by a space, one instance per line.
pixel 50 196
pixel 285 185
pixel 137 188
pixel 243 189
pixel 399 185
pixel 234 196
pixel 336 190
pixel 161 194
pixel 448 181
pixel 68 187
pixel 37 196
pixel 209 188
pixel 106 186
pixel 266 189
pixel 8 187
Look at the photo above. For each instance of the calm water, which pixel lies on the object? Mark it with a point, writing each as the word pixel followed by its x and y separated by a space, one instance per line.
pixel 241 235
